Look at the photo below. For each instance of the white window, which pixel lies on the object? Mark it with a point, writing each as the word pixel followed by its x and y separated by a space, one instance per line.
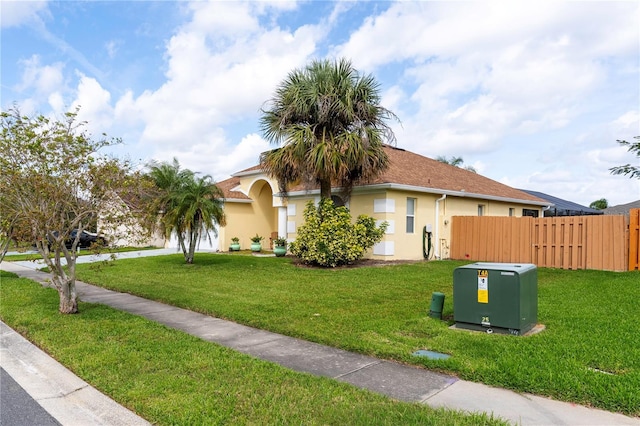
pixel 384 248
pixel 384 205
pixel 512 211
pixel 480 209
pixel 411 215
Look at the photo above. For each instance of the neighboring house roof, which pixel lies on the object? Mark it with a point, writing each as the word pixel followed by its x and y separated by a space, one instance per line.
pixel 622 208
pixel 414 172
pixel 563 207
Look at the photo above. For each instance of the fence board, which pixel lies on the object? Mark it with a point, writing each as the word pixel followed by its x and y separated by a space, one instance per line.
pixel 634 239
pixel 574 242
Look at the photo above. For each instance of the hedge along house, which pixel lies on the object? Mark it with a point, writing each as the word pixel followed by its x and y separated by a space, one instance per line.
pixel 417 196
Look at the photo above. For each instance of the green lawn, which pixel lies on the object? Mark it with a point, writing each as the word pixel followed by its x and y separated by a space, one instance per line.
pixel 588 354
pixel 169 377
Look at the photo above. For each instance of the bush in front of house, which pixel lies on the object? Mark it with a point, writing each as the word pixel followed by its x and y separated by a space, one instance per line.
pixel 329 238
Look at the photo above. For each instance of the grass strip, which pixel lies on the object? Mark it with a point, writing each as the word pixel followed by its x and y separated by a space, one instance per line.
pixel 169 377
pixel 588 354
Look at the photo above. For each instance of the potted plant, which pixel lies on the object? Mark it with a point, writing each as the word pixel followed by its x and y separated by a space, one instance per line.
pixel 235 244
pixel 280 246
pixel 255 243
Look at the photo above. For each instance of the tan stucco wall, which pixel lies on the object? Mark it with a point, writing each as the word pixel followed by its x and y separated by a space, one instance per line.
pixel 406 245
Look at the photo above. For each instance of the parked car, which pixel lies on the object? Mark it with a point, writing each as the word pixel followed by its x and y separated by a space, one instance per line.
pixel 86 239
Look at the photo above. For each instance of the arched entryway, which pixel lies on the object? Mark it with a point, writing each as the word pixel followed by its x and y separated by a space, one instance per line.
pixel 265 218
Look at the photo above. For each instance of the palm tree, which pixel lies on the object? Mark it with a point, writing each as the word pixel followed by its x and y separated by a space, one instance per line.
pixel 168 178
pixel 189 206
pixel 197 209
pixel 330 126
pixel 455 161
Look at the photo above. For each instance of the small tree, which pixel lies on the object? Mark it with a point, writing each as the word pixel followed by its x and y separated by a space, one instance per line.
pixel 628 169
pixel 600 204
pixel 52 182
pixel 329 238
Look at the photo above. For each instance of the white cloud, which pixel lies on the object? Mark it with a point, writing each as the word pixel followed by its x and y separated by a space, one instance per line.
pixel 627 125
pixel 216 156
pixel 112 47
pixel 15 13
pixel 41 78
pixel 94 103
pixel 56 102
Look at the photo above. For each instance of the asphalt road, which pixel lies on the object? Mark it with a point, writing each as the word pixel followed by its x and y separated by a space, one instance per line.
pixel 17 408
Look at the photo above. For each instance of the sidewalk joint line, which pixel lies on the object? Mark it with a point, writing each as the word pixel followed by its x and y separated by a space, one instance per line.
pixel 371 364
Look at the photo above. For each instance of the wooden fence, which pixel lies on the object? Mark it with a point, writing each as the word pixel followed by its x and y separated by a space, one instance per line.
pixel 573 242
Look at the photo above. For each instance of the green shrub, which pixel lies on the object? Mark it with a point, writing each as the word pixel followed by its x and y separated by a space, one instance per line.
pixel 329 238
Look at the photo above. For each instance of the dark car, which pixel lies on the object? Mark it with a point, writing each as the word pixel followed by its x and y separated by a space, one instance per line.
pixel 86 239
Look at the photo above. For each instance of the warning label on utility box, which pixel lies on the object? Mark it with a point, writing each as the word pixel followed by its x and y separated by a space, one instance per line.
pixel 483 286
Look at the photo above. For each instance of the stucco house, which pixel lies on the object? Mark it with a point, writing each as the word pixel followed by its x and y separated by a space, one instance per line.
pixel 417 196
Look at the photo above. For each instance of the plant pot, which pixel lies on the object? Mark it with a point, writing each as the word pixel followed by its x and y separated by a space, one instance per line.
pixel 280 251
pixel 234 247
pixel 256 247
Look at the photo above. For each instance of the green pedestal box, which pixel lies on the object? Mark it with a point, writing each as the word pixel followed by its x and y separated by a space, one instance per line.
pixel 496 297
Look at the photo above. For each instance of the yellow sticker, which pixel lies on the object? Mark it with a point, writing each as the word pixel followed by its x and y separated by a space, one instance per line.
pixel 483 286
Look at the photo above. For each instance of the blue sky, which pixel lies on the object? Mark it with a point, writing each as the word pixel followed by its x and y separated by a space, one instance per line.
pixel 532 94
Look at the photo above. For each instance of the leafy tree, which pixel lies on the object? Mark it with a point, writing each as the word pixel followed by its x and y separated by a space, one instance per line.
pixel 189 206
pixel 457 162
pixel 53 181
pixel 628 169
pixel 328 238
pixel 600 204
pixel 331 127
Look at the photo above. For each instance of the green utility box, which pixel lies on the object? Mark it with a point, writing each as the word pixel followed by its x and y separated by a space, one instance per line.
pixel 496 297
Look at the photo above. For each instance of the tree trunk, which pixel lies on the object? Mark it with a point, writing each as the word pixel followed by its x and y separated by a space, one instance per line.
pixel 68 298
pixel 66 286
pixel 63 281
pixel 193 238
pixel 325 188
pixel 181 242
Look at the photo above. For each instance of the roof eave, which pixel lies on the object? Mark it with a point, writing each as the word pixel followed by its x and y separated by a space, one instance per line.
pixel 248 173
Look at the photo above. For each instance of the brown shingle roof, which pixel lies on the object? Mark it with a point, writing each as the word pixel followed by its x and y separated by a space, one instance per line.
pixel 408 168
pixel 227 189
pixel 414 170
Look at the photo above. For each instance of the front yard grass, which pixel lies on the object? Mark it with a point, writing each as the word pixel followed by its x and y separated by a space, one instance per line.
pixel 588 354
pixel 172 378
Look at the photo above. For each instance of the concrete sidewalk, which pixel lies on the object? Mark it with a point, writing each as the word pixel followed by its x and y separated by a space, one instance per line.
pixel 398 381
